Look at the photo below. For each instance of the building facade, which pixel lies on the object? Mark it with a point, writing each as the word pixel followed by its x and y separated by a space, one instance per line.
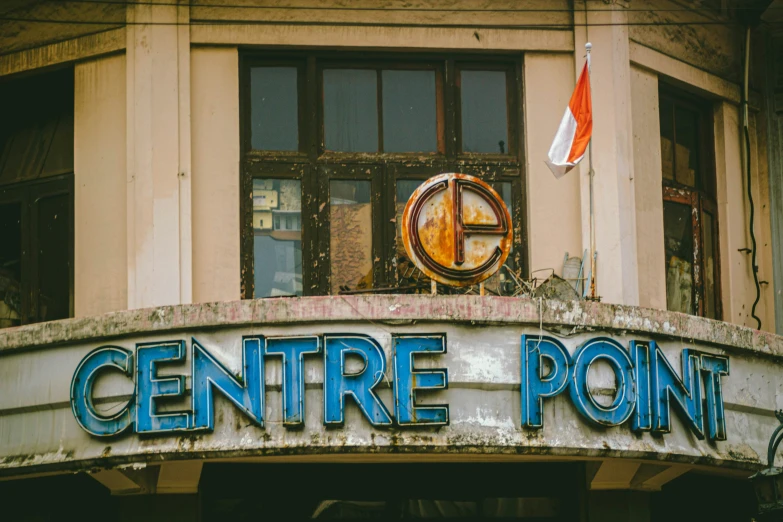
pixel 208 312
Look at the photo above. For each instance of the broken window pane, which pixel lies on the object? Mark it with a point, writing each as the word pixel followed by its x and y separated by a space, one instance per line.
pixel 54 271
pixel 350 110
pixel 484 123
pixel 710 266
pixel 277 231
pixel 350 218
pixel 686 153
pixel 409 120
pixel 274 108
pixel 10 265
pixel 667 139
pixel 678 239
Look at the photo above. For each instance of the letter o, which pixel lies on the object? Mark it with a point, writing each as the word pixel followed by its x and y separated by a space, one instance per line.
pixel 622 407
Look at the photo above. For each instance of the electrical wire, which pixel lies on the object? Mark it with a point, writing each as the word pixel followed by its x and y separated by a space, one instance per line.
pixel 754 267
pixel 746 125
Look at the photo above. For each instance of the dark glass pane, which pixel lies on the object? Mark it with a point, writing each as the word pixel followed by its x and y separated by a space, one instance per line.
pixel 36 128
pixel 409 116
pixel 484 114
pixel 667 139
pixel 678 243
pixel 54 274
pixel 686 153
pixel 501 283
pixel 710 266
pixel 274 108
pixel 504 189
pixel 351 110
pixel 10 265
pixel 59 157
pixel 350 218
pixel 277 243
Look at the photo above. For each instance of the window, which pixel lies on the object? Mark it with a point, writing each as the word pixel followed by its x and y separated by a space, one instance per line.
pixel 689 209
pixel 335 144
pixel 36 199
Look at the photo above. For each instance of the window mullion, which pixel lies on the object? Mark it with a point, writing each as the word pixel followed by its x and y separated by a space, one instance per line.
pixel 450 99
pixel 698 265
pixel 26 258
pixel 378 211
pixel 379 102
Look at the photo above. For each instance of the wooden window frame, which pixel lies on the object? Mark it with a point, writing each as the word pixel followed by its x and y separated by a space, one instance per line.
pixel 315 167
pixel 28 194
pixel 701 198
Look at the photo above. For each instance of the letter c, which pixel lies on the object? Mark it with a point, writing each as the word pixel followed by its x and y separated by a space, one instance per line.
pixel 92 365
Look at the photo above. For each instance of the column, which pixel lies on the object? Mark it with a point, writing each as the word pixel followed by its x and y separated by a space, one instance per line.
pixel 100 257
pixel 615 217
pixel 158 154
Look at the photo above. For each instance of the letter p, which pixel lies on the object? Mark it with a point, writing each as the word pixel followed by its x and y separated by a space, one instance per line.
pixel 536 384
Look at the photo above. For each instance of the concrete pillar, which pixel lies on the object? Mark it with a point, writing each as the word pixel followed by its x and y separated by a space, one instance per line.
pixel 215 109
pixel 615 215
pixel 158 155
pixel 647 184
pixel 100 242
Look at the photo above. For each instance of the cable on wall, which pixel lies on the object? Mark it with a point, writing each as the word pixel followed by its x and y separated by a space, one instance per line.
pixel 746 125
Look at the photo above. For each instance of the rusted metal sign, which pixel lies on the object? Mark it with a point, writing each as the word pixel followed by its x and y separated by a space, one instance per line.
pixel 456 229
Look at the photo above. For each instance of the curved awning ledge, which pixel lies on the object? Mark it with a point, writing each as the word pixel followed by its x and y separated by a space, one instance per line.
pixel 477 340
pixel 395 309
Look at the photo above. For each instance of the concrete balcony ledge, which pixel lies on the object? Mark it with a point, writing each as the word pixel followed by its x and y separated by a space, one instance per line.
pixel 563 317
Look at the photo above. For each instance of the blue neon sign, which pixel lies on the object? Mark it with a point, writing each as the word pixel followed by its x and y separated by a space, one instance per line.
pixel 646 384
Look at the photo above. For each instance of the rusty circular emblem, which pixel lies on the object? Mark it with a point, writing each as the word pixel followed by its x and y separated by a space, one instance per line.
pixel 456 229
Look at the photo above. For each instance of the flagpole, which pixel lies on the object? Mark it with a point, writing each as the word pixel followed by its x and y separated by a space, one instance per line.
pixel 589 47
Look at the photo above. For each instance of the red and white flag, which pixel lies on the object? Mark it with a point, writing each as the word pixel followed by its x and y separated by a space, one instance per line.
pixel 575 130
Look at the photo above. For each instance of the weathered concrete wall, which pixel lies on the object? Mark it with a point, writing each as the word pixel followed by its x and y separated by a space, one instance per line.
pixel 38 431
pixel 215 113
pixel 696 35
pixel 28 24
pixel 100 230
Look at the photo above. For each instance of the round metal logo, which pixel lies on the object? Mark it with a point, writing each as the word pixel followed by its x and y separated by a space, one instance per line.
pixel 456 229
